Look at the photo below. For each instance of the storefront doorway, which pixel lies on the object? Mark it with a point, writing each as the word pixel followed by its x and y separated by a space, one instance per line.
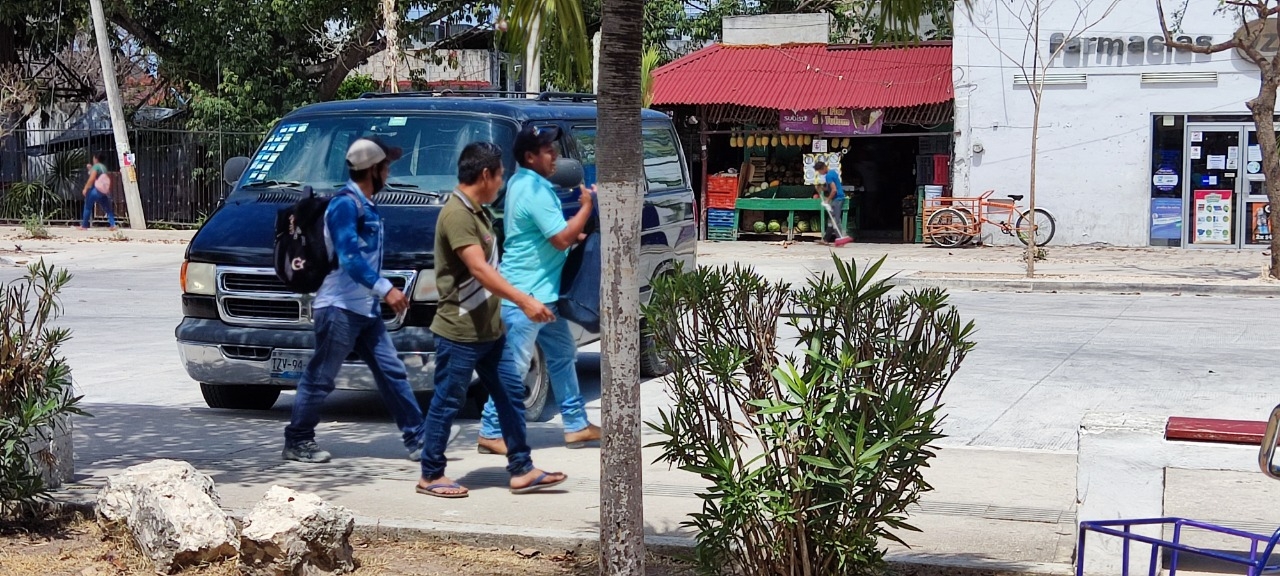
pixel 1225 204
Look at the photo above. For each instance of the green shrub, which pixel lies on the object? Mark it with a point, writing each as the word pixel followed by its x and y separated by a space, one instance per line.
pixel 35 381
pixel 355 85
pixel 812 457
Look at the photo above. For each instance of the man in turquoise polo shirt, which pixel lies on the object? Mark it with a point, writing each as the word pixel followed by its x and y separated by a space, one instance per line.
pixel 537 243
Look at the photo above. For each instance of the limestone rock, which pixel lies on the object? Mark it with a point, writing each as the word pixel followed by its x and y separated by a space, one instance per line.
pixel 172 512
pixel 289 533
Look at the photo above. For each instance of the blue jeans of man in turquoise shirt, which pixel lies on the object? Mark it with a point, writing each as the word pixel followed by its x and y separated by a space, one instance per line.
pixel 532 215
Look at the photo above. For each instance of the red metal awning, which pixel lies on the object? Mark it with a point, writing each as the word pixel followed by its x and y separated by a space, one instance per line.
pixel 800 77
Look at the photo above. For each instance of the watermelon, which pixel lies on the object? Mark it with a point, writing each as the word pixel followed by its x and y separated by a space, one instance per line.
pixel 760 227
pixel 814 225
pixel 775 226
pixel 802 226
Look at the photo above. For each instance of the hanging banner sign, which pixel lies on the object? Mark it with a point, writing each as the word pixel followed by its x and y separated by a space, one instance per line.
pixel 833 121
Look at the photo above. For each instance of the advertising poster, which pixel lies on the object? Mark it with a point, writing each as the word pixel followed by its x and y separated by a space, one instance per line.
pixel 833 121
pixel 1213 216
pixel 1259 223
pixel 1166 218
pixel 832 160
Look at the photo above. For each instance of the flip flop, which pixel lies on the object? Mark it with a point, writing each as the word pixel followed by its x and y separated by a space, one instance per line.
pixel 430 490
pixel 538 484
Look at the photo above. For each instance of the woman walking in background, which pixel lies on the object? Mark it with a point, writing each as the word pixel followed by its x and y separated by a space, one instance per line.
pixel 97 192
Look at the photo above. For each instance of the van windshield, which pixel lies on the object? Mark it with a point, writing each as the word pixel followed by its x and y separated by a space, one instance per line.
pixel 312 151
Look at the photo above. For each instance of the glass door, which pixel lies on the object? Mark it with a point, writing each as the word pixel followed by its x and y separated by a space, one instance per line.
pixel 1255 220
pixel 1214 158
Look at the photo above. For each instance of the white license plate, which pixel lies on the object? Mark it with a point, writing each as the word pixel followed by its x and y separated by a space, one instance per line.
pixel 288 365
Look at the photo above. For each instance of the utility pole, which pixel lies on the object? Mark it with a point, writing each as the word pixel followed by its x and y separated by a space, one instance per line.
pixel 132 198
pixel 622 185
pixel 391 55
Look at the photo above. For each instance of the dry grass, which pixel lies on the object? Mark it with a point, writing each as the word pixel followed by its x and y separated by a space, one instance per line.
pixel 79 547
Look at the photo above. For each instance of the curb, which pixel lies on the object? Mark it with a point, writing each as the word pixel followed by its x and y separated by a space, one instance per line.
pixel 900 563
pixel 1052 286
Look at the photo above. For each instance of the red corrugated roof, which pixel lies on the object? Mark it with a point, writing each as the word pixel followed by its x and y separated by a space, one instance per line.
pixel 799 77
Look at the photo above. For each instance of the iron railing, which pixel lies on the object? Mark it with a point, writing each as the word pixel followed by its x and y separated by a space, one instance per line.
pixel 179 172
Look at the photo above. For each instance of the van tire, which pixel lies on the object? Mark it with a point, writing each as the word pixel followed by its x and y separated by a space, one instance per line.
pixel 537 386
pixel 651 363
pixel 239 397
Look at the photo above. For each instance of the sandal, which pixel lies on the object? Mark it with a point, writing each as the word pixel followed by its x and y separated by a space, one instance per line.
pixel 538 483
pixel 431 490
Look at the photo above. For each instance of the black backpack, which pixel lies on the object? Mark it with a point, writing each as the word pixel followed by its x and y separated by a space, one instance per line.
pixel 302 258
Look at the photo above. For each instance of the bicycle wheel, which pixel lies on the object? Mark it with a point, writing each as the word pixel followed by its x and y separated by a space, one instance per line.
pixel 948 228
pixel 1046 226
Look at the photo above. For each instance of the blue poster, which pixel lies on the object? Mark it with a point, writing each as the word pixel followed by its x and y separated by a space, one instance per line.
pixel 1166 218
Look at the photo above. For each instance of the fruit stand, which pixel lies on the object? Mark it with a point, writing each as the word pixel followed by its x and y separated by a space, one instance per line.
pixel 791 206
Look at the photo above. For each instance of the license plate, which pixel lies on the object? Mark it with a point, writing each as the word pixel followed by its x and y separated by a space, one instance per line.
pixel 288 365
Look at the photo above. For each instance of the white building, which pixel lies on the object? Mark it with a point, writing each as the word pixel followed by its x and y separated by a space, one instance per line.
pixel 1139 144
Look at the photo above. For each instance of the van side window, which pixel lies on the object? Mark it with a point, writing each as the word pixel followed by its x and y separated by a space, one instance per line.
pixel 586 138
pixel 662 168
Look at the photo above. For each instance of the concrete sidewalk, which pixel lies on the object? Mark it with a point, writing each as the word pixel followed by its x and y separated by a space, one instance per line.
pixel 1000 268
pixel 1004 511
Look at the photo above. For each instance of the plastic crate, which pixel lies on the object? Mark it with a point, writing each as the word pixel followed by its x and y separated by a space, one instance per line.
pixel 722 200
pixel 721 218
pixel 722 234
pixel 722 184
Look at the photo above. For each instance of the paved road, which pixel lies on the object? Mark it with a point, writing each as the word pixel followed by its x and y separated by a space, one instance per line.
pixel 1042 360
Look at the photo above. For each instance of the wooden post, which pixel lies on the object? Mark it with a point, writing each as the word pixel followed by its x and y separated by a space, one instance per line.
pixel 701 212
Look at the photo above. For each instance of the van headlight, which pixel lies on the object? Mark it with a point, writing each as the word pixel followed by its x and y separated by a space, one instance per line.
pixel 198 278
pixel 424 287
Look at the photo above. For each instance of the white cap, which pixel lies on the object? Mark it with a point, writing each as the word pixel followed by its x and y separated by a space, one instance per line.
pixel 366 153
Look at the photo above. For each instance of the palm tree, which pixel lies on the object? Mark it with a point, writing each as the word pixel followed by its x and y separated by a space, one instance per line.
pixel 557 20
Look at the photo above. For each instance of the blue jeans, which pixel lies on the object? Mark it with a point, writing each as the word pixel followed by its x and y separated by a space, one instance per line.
pixel 834 231
pixel 338 333
pixel 97 198
pixel 561 354
pixel 455 362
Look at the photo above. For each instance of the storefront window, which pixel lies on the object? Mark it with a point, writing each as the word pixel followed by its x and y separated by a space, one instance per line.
pixel 1167 181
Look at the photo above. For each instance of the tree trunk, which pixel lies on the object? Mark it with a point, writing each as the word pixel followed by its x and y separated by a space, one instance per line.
pixel 621 191
pixel 1037 98
pixel 391 56
pixel 1264 110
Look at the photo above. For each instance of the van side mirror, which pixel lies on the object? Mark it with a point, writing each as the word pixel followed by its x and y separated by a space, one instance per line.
pixel 568 173
pixel 234 169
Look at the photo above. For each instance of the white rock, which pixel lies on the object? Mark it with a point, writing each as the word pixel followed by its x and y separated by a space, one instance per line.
pixel 172 512
pixel 289 532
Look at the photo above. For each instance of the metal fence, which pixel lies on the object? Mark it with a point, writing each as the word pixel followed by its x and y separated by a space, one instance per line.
pixel 179 172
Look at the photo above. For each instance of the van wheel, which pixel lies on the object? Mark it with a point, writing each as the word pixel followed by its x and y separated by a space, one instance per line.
pixel 651 363
pixel 239 397
pixel 537 390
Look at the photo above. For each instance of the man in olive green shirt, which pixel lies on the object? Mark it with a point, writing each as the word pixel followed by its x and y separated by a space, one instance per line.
pixel 469 332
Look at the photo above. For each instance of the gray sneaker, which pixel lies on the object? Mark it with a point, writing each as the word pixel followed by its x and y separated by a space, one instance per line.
pixel 307 451
pixel 416 453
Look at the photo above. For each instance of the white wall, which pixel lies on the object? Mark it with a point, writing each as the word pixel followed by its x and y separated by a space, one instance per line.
pixel 777 29
pixel 471 65
pixel 1095 139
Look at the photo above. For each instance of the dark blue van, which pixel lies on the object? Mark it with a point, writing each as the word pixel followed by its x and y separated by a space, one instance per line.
pixel 244 337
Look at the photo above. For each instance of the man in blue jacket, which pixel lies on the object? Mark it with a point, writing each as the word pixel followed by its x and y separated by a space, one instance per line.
pixel 537 243
pixel 346 310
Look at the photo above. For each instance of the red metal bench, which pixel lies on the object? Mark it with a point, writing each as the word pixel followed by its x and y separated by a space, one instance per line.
pixel 1244 432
